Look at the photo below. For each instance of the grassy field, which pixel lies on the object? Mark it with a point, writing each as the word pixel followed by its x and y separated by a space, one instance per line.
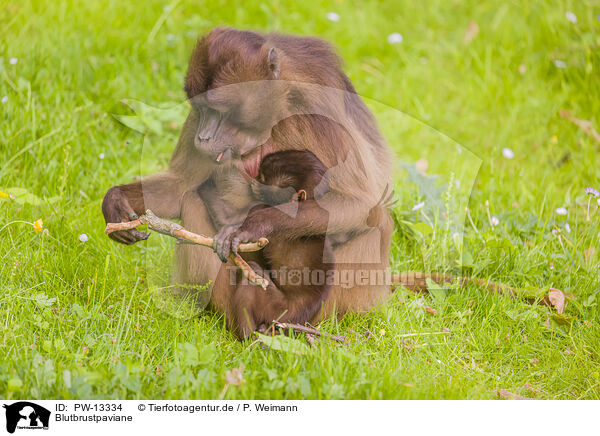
pixel 79 320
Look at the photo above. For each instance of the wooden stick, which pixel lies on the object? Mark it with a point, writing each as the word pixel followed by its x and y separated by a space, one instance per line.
pixel 249 272
pixel 308 330
pixel 117 227
pixel 170 228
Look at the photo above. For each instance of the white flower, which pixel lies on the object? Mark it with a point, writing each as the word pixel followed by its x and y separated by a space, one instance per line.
pixel 395 38
pixel 559 63
pixel 567 227
pixel 561 211
pixel 332 16
pixel 101 155
pixel 13 61
pixel 571 16
pixel 4 99
pixel 598 201
pixel 83 237
pixel 418 206
pixel 170 37
pixel 508 153
pixel 494 221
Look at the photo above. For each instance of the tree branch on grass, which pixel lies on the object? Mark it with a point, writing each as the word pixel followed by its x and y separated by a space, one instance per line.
pixel 421 282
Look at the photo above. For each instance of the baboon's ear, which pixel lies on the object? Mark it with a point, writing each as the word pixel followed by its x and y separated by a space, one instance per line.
pixel 273 63
pixel 302 195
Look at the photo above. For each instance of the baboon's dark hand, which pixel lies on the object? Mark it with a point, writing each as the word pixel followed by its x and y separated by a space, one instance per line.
pixel 222 241
pixel 116 209
pixel 250 231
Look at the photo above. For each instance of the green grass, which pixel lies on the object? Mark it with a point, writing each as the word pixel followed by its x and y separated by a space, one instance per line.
pixel 79 319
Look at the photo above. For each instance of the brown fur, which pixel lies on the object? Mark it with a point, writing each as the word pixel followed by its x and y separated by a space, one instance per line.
pixel 298 267
pixel 293 96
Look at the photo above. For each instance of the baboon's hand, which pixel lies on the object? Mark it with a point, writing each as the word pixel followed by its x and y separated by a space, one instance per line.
pixel 252 230
pixel 116 209
pixel 222 241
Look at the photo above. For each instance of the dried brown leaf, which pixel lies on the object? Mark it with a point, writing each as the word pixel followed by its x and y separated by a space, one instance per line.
pixel 235 376
pixel 430 310
pixel 505 394
pixel 557 299
pixel 530 388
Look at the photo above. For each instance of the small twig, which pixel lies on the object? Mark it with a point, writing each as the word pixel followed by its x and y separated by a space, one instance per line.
pixel 310 325
pixel 308 330
pixel 170 228
pixel 584 125
pixel 311 340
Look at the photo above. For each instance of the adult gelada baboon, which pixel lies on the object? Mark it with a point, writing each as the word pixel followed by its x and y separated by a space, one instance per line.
pixel 252 94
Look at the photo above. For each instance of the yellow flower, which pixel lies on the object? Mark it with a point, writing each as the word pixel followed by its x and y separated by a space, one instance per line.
pixel 382 332
pixel 555 139
pixel 3 194
pixel 38 225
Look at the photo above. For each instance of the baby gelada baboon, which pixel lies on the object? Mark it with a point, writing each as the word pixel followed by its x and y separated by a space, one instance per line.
pixel 298 267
